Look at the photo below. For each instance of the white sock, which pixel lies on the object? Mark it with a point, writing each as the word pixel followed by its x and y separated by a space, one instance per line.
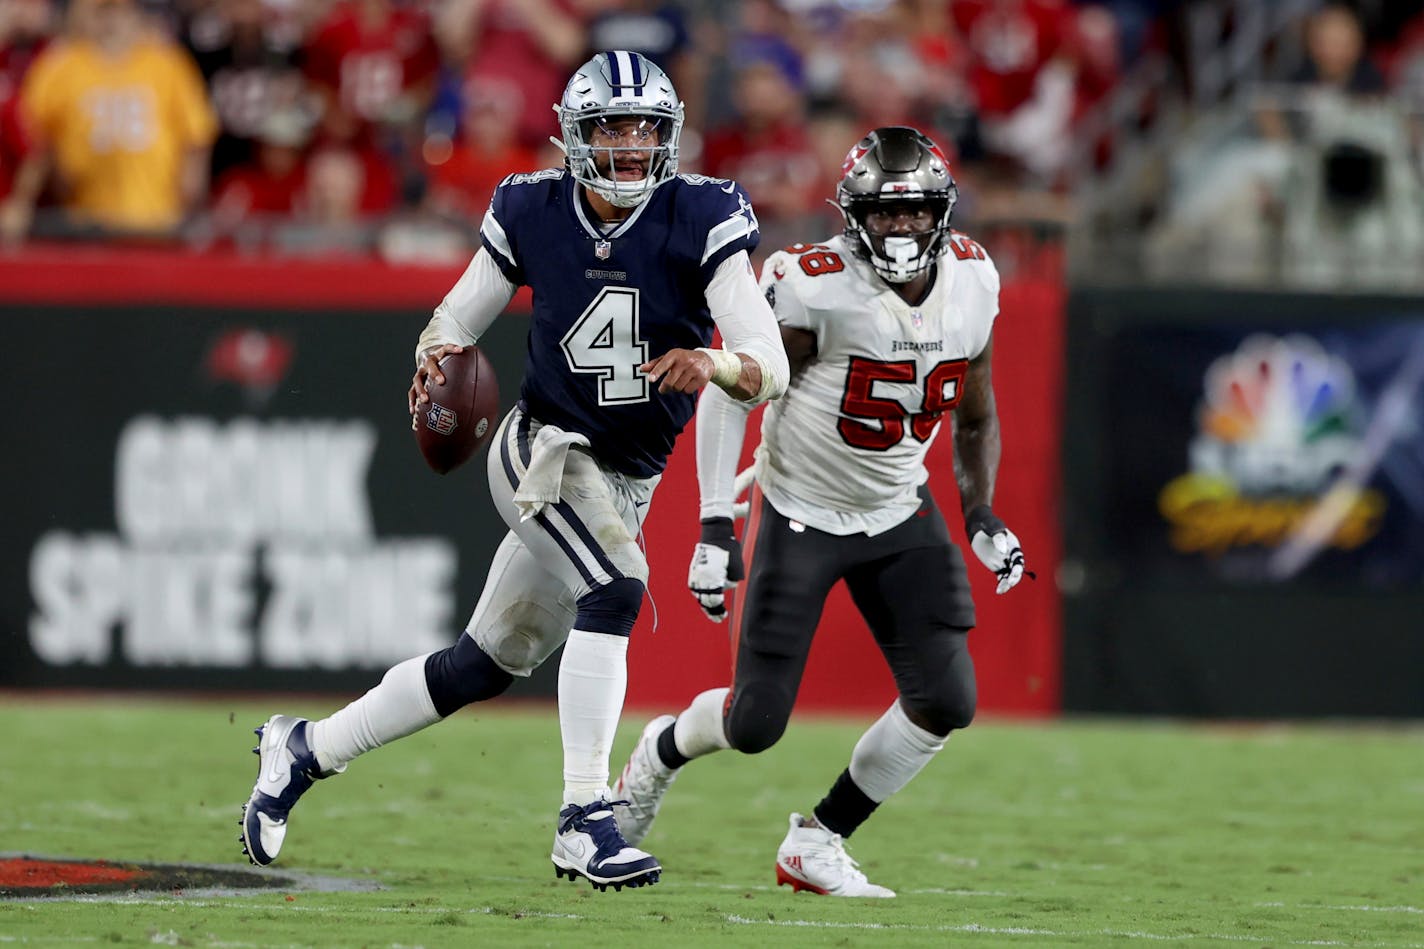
pixel 698 730
pixel 398 706
pixel 593 677
pixel 890 753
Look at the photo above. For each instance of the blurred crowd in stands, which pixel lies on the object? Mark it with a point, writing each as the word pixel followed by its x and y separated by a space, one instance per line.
pixel 382 126
pixel 1313 173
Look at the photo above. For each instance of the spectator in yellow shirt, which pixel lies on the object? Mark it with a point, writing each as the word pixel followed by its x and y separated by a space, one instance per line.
pixel 121 126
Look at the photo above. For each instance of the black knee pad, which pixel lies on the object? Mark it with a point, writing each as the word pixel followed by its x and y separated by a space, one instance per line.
pixel 950 710
pixel 612 608
pixel 756 718
pixel 461 674
pixel 943 695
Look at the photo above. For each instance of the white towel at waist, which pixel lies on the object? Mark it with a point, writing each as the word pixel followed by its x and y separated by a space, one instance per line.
pixel 541 481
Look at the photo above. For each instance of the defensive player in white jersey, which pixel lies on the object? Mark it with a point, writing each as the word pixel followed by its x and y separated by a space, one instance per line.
pixel 888 327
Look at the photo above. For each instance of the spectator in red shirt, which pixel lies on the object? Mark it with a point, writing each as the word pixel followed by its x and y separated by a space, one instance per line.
pixel 329 218
pixel 1037 67
pixel 519 50
pixel 248 196
pixel 1009 42
pixel 372 62
pixel 463 176
pixel 768 148
pixel 25 30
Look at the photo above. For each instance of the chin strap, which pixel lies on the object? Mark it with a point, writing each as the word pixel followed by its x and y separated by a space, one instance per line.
pixel 624 200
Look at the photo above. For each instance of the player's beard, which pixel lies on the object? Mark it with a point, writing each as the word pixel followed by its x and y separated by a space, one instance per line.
pixel 614 167
pixel 629 191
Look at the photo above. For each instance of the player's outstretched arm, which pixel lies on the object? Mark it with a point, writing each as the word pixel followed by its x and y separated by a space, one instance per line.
pixel 750 335
pixel 976 464
pixel 742 376
pixel 688 370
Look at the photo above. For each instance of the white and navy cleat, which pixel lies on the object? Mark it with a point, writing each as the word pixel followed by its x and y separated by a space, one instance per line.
pixel 815 860
pixel 588 844
pixel 641 786
pixel 286 768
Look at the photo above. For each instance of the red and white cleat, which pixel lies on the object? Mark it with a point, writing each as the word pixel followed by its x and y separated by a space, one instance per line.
pixel 814 859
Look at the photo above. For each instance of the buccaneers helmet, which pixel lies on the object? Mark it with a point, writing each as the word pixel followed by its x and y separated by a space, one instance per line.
pixel 895 165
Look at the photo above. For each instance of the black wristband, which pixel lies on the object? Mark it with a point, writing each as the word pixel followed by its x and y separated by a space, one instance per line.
pixel 718 530
pixel 981 518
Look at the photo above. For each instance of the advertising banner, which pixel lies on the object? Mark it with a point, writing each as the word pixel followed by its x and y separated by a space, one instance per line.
pixel 1245 510
pixel 228 499
pixel 1283 456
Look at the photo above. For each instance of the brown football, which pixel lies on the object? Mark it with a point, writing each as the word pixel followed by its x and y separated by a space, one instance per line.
pixel 462 414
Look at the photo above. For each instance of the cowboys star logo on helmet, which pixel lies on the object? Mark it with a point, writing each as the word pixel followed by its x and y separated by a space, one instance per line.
pixel 610 90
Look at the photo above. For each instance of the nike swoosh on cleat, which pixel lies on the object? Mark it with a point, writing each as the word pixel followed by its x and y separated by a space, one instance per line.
pixel 274 774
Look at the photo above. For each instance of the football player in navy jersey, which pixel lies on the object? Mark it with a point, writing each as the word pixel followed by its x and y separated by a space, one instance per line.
pixel 631 267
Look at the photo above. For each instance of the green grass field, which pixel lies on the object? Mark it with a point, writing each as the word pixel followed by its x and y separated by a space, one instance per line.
pixel 1078 833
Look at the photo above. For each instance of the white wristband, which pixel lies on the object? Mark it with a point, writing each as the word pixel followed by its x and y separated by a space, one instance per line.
pixel 726 367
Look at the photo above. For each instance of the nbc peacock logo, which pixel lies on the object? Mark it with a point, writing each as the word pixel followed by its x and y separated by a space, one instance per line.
pixel 1275 436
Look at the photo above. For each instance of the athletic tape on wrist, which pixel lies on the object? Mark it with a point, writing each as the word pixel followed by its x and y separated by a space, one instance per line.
pixel 726 367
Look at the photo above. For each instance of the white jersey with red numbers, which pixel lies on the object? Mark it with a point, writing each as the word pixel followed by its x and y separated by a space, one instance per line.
pixel 844 449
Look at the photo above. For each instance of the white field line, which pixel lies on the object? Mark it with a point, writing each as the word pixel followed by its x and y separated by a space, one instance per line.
pixel 1355 909
pixel 967 928
pixel 1067 933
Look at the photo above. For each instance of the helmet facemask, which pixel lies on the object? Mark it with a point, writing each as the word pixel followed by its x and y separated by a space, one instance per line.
pixel 620 107
pixel 902 255
pixel 896 167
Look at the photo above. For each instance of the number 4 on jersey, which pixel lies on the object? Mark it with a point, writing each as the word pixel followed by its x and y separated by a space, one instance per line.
pixel 604 341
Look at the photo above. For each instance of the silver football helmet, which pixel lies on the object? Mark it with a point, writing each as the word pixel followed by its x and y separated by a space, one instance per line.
pixel 896 164
pixel 619 85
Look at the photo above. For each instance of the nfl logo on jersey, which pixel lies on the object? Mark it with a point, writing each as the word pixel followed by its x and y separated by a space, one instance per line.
pixel 603 249
pixel 440 419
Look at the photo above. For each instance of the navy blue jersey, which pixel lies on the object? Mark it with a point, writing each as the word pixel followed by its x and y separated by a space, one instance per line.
pixel 605 303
